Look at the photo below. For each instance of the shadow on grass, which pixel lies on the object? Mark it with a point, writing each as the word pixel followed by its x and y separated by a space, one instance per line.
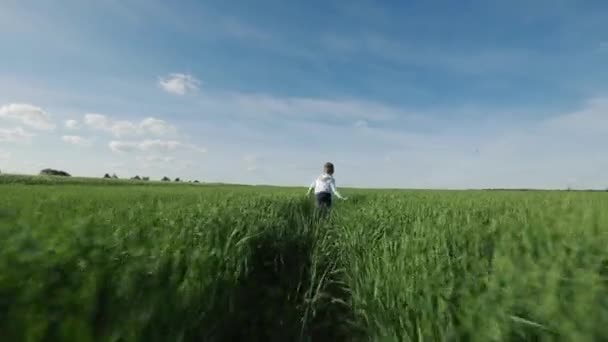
pixel 290 290
pixel 283 295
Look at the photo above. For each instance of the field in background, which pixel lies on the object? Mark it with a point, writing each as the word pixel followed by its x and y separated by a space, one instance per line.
pixel 88 261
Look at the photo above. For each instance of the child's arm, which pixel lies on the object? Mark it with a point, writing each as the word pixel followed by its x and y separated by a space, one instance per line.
pixel 335 191
pixel 312 185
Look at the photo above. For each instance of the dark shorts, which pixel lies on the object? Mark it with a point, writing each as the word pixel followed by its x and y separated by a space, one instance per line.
pixel 323 199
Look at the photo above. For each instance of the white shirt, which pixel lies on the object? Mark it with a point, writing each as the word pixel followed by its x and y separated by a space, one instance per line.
pixel 325 183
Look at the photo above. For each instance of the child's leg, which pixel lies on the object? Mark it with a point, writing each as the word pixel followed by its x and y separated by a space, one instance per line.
pixel 323 204
pixel 323 199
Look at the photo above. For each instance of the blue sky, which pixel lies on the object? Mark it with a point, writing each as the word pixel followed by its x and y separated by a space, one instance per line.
pixel 424 94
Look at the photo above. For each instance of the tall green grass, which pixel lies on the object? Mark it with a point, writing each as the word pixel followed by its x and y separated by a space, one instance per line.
pixel 479 267
pixel 132 263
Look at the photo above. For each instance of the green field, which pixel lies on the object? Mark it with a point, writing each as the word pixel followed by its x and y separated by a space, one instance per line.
pixel 175 262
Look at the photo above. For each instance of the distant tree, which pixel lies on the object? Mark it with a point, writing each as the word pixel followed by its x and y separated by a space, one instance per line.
pixel 114 176
pixel 166 179
pixel 106 176
pixel 51 172
pixel 136 178
pixel 177 180
pixel 146 179
pixel 196 181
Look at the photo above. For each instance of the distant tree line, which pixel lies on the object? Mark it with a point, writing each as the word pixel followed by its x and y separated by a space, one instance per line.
pixel 52 172
pixel 138 178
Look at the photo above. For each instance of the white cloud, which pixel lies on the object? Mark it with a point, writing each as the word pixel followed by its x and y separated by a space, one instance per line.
pixel 123 146
pixel 118 128
pixel 195 148
pixel 152 146
pixel 161 145
pixel 14 135
pixel 72 124
pixel 76 140
pixel 29 115
pixel 178 84
pixel 97 121
pixel 156 126
pixel 124 128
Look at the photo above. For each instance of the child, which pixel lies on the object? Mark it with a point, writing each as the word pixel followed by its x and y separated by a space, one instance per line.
pixel 324 186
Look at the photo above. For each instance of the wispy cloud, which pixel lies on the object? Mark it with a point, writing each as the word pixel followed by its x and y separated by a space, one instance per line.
pixel 270 107
pixel 152 146
pixel 76 140
pixel 564 150
pixel 122 146
pixel 97 121
pixel 238 29
pixel 15 135
pixel 72 124
pixel 155 159
pixel 556 152
pixel 361 124
pixel 124 128
pixel 161 145
pixel 29 115
pixel 418 54
pixel 179 84
pixel 195 148
pixel 590 120
pixel 118 128
pixel 157 126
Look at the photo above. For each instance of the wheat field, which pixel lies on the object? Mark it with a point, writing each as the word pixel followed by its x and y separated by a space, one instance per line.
pixel 88 261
